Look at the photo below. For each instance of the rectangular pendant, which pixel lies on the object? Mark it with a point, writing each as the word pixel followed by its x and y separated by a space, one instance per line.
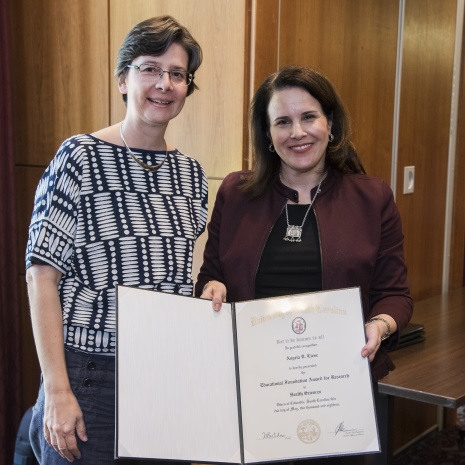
pixel 293 233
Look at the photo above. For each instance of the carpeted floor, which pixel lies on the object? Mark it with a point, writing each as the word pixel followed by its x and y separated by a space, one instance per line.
pixel 438 448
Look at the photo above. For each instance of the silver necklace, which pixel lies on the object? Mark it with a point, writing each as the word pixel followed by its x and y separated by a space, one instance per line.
pixel 294 232
pixel 139 162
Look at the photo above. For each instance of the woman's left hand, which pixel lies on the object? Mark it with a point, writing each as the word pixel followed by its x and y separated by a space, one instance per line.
pixel 374 331
pixel 373 341
pixel 216 292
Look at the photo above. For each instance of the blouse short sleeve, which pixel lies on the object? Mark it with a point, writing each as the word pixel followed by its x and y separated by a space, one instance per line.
pixel 54 217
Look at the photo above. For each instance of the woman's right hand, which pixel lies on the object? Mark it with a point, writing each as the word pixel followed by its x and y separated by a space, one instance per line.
pixel 216 292
pixel 62 420
pixel 62 413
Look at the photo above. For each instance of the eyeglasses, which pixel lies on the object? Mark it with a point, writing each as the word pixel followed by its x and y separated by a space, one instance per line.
pixel 154 73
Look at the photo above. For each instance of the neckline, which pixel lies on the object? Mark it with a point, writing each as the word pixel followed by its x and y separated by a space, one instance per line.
pixel 136 150
pixel 291 194
pixel 151 168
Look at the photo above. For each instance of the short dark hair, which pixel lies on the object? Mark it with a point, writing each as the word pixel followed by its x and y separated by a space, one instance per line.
pixel 153 37
pixel 340 154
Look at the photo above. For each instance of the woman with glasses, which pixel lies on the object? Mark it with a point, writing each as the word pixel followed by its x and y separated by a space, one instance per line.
pixel 119 206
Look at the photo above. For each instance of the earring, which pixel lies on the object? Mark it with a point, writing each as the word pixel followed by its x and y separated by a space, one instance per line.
pixel 330 137
pixel 271 148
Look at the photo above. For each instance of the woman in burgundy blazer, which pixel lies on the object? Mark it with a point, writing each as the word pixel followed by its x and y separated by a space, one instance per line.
pixel 307 217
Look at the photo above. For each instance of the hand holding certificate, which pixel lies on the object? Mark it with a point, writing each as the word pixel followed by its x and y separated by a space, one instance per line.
pixel 271 379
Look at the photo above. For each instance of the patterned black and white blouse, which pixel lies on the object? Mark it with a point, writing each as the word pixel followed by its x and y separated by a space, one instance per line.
pixel 102 220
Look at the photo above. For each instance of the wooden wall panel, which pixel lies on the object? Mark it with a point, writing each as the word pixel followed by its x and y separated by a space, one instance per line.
pixel 354 44
pixel 428 49
pixel 457 256
pixel 60 74
pixel 428 52
pixel 210 125
pixel 266 41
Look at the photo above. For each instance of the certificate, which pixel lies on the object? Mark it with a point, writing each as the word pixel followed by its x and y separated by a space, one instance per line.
pixel 264 380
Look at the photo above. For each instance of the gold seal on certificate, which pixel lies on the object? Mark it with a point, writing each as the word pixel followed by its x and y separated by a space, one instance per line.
pixel 308 431
pixel 263 380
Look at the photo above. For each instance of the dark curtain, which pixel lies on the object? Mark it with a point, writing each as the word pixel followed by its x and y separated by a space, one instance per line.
pixel 10 389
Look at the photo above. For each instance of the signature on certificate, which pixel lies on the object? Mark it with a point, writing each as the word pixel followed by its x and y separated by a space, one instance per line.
pixel 341 429
pixel 273 435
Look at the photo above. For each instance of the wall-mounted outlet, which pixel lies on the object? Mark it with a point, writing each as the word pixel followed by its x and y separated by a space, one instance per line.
pixel 409 179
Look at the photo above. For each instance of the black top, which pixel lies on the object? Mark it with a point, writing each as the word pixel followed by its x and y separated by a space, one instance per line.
pixel 290 267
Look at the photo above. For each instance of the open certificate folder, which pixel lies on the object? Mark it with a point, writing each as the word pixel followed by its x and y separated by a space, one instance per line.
pixel 263 380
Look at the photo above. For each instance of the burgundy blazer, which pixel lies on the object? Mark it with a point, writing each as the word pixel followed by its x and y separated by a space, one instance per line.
pixel 361 244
